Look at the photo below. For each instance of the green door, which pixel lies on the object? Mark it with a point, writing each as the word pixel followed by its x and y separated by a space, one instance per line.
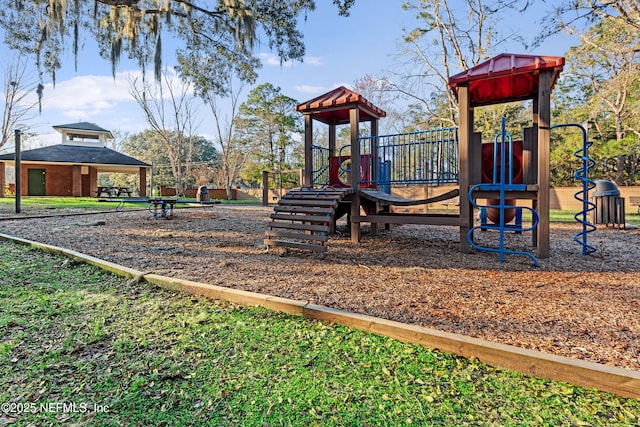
pixel 36 182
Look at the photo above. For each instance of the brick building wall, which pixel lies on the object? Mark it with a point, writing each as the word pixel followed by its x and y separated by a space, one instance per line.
pixel 58 179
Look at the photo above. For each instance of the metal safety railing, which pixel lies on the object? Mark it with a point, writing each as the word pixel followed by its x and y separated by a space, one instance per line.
pixel 423 157
pixel 320 167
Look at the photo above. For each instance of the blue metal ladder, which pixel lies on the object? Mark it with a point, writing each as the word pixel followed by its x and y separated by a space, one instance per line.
pixel 503 184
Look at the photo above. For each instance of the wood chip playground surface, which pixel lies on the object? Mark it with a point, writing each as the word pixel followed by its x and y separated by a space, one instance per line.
pixel 584 307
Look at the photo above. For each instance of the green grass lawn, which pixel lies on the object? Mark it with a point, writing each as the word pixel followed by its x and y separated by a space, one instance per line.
pixel 82 347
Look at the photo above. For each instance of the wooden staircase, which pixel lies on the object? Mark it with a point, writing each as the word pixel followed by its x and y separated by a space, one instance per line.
pixel 303 218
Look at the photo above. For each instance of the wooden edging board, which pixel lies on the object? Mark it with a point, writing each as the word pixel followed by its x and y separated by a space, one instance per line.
pixel 619 381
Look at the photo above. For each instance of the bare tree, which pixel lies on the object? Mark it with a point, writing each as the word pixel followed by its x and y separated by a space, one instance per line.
pixel 576 13
pixel 235 149
pixel 452 36
pixel 381 93
pixel 170 111
pixel 18 87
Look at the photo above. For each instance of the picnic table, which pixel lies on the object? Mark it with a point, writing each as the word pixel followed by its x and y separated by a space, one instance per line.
pixel 111 191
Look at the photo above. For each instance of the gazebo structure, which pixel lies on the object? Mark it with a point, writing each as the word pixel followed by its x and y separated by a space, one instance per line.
pixel 429 158
pixel 71 168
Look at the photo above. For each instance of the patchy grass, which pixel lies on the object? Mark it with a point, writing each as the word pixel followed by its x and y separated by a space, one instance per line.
pixel 52 205
pixel 81 346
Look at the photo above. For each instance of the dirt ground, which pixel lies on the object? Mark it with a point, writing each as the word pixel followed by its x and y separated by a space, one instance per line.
pixel 586 307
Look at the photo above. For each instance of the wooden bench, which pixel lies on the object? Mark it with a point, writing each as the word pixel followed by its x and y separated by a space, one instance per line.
pixel 635 201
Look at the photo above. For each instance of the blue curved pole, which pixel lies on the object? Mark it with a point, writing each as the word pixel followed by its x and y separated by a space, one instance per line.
pixel 583 195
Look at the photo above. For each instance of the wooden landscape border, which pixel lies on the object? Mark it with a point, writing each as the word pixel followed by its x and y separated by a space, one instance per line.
pixel 619 381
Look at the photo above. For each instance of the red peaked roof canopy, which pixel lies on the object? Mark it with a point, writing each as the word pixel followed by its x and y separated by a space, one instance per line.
pixel 505 78
pixel 333 107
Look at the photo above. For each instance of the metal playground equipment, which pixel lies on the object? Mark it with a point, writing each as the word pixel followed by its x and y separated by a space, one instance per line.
pixel 503 181
pixel 160 207
pixel 582 175
pixel 357 180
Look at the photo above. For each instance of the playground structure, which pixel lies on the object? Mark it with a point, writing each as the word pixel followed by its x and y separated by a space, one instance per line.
pixel 431 158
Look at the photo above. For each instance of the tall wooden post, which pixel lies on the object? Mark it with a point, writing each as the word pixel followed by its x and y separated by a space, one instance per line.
pixel 2 179
pixel 544 131
pixel 308 151
pixel 143 182
pixel 18 167
pixel 265 188
pixel 465 164
pixel 354 120
pixel 374 165
pixel 332 139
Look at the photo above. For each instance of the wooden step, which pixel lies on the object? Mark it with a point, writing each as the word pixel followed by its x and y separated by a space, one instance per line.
pixel 298 236
pixel 297 226
pixel 302 219
pixel 304 209
pixel 316 194
pixel 298 245
pixel 305 218
pixel 307 202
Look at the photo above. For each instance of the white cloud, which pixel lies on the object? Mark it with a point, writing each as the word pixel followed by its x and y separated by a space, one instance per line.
pixel 313 60
pixel 269 59
pixel 312 90
pixel 87 96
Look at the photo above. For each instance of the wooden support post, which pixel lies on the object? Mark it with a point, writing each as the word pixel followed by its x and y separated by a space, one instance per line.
pixel 375 168
pixel 354 120
pixel 465 164
pixel 143 182
pixel 2 179
pixel 265 188
pixel 544 131
pixel 529 173
pixel 18 168
pixel 307 180
pixel 332 139
pixel 534 162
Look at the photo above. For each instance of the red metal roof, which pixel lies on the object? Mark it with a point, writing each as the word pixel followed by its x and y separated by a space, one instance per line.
pixel 506 77
pixel 334 106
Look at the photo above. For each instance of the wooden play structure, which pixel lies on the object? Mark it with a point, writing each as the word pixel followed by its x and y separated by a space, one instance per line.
pixel 359 182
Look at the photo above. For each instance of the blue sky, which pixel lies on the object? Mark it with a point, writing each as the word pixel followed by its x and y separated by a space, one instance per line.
pixel 339 51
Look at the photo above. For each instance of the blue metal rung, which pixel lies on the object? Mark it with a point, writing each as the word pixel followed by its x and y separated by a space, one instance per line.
pixel 500 187
pixel 503 184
